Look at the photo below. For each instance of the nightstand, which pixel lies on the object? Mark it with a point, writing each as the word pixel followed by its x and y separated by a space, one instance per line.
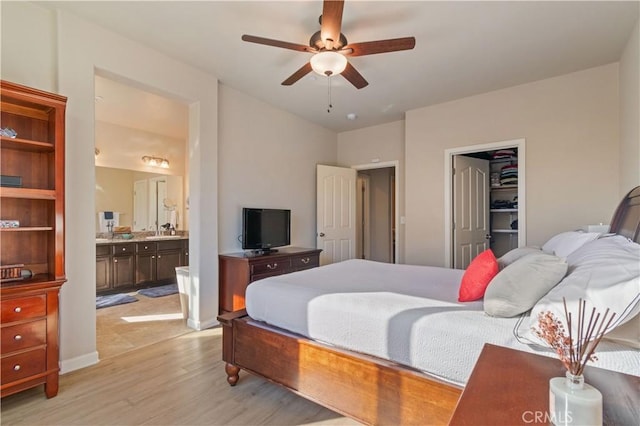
pixel 510 387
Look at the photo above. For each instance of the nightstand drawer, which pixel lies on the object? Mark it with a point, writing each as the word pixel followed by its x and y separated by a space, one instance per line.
pixel 305 262
pixel 23 336
pixel 281 265
pixel 25 364
pixel 22 308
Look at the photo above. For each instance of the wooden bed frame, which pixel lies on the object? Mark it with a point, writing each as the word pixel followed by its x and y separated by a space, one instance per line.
pixel 366 388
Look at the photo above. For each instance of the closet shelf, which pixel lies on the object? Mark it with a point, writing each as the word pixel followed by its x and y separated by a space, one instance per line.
pixel 504 231
pixel 503 210
pixel 503 187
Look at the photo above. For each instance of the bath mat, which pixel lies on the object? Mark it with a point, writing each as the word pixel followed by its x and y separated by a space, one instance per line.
pixel 113 300
pixel 163 290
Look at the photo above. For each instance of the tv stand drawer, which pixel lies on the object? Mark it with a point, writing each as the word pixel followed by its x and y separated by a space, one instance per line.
pixel 237 270
pixel 281 265
pixel 299 263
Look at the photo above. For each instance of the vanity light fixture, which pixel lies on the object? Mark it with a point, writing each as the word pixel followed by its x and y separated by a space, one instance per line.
pixel 156 161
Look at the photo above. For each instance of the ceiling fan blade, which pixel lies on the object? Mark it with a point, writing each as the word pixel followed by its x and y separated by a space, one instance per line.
pixel 381 46
pixel 354 77
pixel 277 43
pixel 331 22
pixel 306 69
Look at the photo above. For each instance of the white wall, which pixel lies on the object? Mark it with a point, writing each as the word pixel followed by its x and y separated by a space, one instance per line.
pixel 630 113
pixel 268 159
pixel 123 148
pixel 571 127
pixel 384 143
pixel 28 45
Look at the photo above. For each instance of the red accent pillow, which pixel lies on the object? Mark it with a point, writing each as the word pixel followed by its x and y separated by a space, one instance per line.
pixel 477 277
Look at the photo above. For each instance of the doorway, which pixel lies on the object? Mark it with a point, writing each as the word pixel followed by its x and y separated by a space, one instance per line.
pixel 514 217
pixel 129 128
pixel 375 215
pixel 337 225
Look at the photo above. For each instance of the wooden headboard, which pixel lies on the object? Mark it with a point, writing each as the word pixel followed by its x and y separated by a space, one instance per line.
pixel 626 219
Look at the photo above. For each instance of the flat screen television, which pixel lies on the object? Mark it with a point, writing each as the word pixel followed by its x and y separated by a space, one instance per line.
pixel 264 229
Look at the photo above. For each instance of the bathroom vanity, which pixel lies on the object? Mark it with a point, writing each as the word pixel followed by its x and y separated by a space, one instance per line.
pixel 128 265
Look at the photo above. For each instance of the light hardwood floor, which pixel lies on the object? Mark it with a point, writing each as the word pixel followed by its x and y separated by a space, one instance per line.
pixel 179 381
pixel 134 325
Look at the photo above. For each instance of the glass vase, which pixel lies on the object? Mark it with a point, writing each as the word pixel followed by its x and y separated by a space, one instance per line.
pixel 574 402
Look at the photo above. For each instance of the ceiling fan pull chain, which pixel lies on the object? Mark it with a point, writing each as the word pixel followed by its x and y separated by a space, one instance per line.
pixel 330 105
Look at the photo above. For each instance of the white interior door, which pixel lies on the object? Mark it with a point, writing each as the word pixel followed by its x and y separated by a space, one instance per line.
pixel 140 202
pixel 336 213
pixel 470 209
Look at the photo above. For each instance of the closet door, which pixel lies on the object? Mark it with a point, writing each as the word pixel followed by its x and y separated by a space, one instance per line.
pixel 470 209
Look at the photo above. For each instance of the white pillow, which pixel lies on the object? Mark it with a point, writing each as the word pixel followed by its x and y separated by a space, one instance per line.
pixel 606 274
pixel 565 243
pixel 518 287
pixel 627 334
pixel 511 256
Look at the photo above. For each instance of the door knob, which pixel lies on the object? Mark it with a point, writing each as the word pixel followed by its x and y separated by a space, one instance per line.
pixel 321 234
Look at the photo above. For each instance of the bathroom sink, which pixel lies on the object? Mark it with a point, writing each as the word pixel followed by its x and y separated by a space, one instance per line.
pixel 164 237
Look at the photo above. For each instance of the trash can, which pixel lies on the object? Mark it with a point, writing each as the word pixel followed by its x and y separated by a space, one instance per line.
pixel 182 276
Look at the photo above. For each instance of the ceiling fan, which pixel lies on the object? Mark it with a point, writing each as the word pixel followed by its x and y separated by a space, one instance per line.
pixel 330 48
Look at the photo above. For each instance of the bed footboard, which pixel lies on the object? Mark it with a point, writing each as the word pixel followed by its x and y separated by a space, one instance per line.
pixel 368 389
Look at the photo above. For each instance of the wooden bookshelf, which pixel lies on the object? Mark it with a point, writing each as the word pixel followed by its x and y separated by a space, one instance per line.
pixel 29 321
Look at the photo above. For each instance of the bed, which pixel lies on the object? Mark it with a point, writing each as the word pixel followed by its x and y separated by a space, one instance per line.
pixel 358 365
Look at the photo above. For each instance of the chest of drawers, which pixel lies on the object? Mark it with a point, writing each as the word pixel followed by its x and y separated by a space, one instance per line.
pixel 29 333
pixel 237 270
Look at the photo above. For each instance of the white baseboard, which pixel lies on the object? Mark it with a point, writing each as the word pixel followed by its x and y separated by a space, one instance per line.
pixel 202 325
pixel 68 365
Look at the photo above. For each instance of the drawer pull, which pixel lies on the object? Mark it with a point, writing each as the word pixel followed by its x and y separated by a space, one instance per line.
pixel 153 257
pixel 145 247
pixel 305 260
pixel 272 267
pixel 17 309
pixel 17 337
pixel 115 260
pixel 124 249
pixel 16 367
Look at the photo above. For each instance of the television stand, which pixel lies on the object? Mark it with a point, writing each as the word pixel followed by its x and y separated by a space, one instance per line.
pixel 237 270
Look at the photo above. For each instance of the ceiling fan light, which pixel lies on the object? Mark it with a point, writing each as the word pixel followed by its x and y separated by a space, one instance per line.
pixel 328 63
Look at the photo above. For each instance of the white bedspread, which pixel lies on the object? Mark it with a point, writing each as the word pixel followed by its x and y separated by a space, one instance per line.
pixel 404 313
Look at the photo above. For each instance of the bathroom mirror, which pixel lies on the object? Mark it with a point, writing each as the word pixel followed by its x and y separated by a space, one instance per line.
pixel 144 200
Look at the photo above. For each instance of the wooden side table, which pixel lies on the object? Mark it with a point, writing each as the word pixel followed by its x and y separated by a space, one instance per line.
pixel 510 387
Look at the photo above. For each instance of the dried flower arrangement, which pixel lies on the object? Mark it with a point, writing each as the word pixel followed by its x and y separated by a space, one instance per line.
pixel 574 351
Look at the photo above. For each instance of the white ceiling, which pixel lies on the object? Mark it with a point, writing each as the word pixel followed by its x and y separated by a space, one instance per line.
pixel 462 48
